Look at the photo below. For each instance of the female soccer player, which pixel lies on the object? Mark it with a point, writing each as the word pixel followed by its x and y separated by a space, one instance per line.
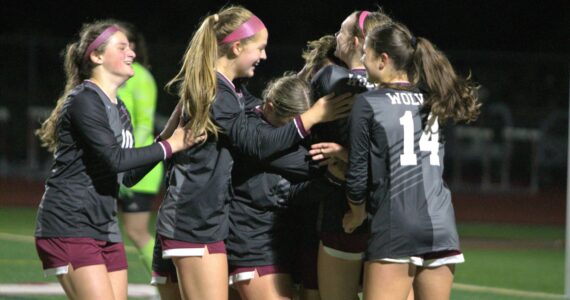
pixel 90 133
pixel 340 254
pixel 396 165
pixel 193 218
pixel 259 243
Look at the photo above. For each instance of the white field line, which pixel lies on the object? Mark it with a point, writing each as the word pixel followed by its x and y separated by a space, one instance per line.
pixel 54 289
pixel 134 288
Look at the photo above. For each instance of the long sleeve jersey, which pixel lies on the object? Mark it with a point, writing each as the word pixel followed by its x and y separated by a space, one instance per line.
pixel 396 166
pixel 91 159
pixel 195 208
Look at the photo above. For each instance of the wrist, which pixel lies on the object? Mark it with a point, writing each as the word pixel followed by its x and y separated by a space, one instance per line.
pixel 167 148
pixel 301 127
pixel 356 206
pixel 309 118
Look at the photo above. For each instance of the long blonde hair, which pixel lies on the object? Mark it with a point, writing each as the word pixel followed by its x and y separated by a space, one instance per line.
pixel 196 80
pixel 76 70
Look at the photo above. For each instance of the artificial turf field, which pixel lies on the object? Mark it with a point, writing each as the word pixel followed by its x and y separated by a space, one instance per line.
pixel 502 261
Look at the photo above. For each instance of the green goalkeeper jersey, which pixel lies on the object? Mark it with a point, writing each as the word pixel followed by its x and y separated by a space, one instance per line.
pixel 139 95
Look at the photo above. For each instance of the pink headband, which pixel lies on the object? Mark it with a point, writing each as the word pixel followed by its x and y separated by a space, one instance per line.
pixel 361 19
pixel 100 40
pixel 247 29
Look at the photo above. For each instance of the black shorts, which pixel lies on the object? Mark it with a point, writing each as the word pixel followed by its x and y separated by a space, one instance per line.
pixel 140 202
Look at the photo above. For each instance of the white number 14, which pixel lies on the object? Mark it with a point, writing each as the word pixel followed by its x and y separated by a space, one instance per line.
pixel 429 141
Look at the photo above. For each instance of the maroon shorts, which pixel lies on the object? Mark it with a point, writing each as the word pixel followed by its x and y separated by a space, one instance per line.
pixel 57 253
pixel 176 248
pixel 351 243
pixel 238 274
pixel 163 268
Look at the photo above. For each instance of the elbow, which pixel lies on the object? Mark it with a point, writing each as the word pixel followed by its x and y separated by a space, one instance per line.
pixel 111 164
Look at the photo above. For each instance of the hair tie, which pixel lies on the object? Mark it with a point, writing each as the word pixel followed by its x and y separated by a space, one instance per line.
pixel 414 42
pixel 361 20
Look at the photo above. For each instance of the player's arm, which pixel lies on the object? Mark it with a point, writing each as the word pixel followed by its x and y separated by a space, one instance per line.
pixel 90 120
pixel 246 133
pixel 358 163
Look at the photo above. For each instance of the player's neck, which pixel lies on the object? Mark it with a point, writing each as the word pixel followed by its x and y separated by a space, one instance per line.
pixel 226 67
pixel 354 63
pixel 108 88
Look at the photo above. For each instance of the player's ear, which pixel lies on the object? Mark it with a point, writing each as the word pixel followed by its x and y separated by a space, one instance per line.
pixel 236 48
pixel 268 106
pixel 357 43
pixel 383 60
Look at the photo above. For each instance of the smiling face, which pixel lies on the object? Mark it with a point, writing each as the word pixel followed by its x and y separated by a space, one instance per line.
pixel 251 53
pixel 117 57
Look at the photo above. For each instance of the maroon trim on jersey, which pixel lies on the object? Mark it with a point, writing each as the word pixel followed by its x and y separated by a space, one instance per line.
pixel 300 127
pixel 228 81
pixel 167 149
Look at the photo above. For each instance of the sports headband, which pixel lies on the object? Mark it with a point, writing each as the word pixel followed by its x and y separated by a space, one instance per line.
pixel 361 19
pixel 104 36
pixel 245 30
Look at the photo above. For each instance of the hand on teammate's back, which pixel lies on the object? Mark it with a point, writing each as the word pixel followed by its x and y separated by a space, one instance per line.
pixel 183 139
pixel 331 107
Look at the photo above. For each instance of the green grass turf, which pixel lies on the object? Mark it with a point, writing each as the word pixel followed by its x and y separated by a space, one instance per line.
pixel 511 231
pixel 539 270
pixel 536 270
pixel 21 258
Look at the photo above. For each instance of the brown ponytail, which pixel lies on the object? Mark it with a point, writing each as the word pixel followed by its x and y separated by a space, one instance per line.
pixel 449 96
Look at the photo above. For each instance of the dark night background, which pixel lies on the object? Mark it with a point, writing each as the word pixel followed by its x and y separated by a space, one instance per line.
pixel 534 26
pixel 517 50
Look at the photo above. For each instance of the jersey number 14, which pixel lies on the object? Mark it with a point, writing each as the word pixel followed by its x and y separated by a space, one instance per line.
pixel 429 141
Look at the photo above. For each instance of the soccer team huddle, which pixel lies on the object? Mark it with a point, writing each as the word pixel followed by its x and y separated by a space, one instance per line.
pixel 328 187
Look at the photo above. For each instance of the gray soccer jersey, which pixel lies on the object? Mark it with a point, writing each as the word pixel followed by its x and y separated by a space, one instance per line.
pixel 93 156
pixel 396 166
